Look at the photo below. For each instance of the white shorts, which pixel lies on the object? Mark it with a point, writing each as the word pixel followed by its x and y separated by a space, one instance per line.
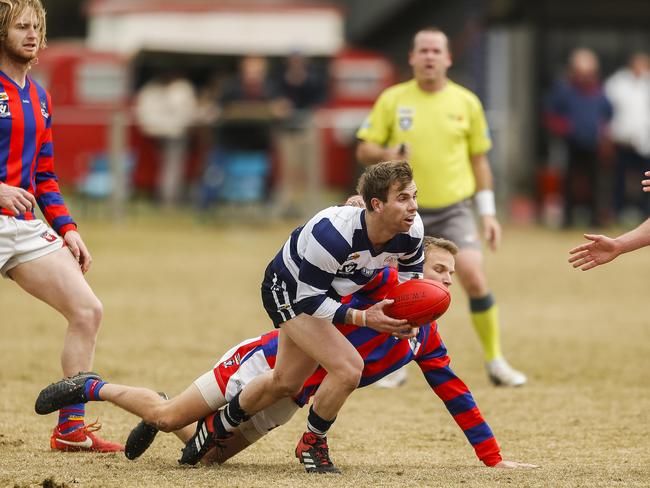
pixel 24 240
pixel 230 375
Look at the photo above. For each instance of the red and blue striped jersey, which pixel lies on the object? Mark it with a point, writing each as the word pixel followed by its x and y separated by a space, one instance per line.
pixel 382 354
pixel 26 150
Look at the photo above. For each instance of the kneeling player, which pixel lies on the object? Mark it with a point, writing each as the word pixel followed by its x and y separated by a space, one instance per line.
pixel 382 354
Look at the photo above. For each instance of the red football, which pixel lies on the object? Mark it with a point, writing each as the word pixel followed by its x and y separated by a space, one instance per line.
pixel 418 301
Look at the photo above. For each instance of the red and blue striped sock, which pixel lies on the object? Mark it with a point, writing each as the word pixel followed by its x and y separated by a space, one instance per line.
pixel 71 418
pixel 91 390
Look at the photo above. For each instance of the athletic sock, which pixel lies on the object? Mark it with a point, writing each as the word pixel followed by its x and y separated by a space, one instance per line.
pixel 71 418
pixel 317 424
pixel 91 390
pixel 231 416
pixel 485 317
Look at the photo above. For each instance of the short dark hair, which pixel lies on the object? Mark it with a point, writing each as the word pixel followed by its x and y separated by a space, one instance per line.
pixel 376 180
pixel 432 29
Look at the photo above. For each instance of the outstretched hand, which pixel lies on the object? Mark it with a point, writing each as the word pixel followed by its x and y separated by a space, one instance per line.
pixel 600 250
pixel 514 465
pixel 646 183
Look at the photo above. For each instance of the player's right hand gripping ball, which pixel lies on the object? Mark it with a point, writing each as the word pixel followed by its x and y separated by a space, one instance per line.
pixel 418 301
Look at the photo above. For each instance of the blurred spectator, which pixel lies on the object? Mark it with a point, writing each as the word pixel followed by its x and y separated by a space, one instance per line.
pixel 577 111
pixel 629 91
pixel 301 87
pixel 239 165
pixel 250 102
pixel 165 110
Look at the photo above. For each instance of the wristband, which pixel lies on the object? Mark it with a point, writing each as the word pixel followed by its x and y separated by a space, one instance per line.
pixel 485 204
pixel 354 316
pixel 363 318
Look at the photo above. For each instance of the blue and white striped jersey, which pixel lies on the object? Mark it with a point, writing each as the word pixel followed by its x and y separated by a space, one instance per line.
pixel 331 256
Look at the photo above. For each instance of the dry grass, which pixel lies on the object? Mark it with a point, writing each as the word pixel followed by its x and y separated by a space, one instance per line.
pixel 176 296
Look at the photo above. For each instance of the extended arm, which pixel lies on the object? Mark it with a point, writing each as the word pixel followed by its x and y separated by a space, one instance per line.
pixel 603 249
pixel 484 198
pixel 434 363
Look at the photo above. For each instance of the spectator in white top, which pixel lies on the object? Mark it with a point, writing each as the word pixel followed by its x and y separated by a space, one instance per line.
pixel 629 92
pixel 165 110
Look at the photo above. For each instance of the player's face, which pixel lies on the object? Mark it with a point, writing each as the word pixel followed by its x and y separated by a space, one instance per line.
pixel 430 57
pixel 398 212
pixel 439 266
pixel 23 37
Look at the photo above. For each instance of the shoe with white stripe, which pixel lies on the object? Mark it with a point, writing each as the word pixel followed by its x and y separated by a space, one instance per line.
pixel 201 442
pixel 313 453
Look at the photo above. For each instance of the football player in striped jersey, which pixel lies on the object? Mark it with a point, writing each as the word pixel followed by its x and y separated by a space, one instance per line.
pixel 47 262
pixel 382 353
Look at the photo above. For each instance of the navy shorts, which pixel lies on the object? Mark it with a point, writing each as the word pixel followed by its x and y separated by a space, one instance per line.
pixel 278 298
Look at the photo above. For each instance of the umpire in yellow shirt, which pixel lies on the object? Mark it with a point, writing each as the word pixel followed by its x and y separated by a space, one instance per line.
pixel 440 128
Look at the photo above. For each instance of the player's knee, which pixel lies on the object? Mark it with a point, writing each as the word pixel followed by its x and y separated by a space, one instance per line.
pixel 348 374
pixel 475 284
pixel 285 385
pixel 87 315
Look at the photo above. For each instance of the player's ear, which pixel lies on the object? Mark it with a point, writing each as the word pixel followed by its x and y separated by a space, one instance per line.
pixel 376 204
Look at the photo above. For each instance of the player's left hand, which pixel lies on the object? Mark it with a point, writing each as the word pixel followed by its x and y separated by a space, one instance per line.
pixel 491 231
pixel 514 465
pixel 78 249
pixel 355 201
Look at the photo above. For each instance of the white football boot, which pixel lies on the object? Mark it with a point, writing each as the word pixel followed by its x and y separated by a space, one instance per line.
pixel 393 380
pixel 502 374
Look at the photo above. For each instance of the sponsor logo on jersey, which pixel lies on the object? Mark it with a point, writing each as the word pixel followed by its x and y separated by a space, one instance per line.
pixel 368 273
pixel 354 256
pixel 48 236
pixel 4 97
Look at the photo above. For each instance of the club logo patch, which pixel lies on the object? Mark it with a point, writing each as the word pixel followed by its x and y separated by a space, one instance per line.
pixel 405 117
pixel 44 111
pixel 347 269
pixel 4 110
pixel 234 361
pixel 4 97
pixel 48 237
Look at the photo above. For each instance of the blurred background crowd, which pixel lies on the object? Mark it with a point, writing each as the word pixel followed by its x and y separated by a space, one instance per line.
pixel 212 104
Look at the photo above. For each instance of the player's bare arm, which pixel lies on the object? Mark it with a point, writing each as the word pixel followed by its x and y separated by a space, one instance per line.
pixel 485 200
pixel 16 200
pixel 375 318
pixel 603 249
pixel 371 153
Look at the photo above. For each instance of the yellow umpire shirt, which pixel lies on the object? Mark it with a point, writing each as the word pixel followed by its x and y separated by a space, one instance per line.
pixel 442 129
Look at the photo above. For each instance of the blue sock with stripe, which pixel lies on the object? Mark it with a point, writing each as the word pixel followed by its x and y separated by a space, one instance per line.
pixel 71 418
pixel 92 388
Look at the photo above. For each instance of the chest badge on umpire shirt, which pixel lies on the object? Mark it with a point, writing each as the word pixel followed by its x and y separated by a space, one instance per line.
pixel 405 117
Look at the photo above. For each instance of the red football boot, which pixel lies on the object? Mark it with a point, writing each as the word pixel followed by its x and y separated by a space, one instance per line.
pixel 83 439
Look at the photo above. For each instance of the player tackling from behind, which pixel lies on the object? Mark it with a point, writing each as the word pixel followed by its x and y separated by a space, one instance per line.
pixel 49 263
pixel 382 353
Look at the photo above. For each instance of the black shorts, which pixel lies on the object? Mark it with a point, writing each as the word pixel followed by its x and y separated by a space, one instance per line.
pixel 278 298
